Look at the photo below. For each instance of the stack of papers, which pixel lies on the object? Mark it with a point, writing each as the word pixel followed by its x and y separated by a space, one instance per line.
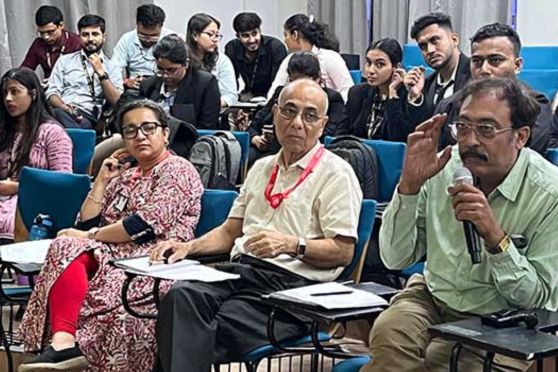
pixel 33 251
pixel 331 296
pixel 181 270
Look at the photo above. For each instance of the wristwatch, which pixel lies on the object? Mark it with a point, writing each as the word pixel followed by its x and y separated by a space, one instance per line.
pixel 92 232
pixel 502 247
pixel 300 248
pixel 103 77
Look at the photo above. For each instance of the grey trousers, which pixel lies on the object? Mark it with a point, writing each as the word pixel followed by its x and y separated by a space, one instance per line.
pixel 399 340
pixel 203 323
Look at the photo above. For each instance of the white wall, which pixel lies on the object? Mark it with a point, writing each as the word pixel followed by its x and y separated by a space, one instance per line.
pixel 536 22
pixel 273 13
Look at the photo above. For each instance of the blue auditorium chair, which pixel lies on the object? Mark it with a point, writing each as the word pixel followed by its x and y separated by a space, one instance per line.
pixel 351 365
pixel 390 163
pixel 544 81
pixel 552 156
pixel 83 141
pixel 57 194
pixel 540 57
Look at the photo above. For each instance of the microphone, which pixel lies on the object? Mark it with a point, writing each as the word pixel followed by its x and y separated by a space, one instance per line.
pixel 463 176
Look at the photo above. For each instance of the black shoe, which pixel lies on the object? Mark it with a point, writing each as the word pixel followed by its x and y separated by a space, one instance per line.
pixel 71 359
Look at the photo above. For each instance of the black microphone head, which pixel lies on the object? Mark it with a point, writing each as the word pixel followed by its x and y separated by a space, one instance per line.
pixel 531 320
pixel 463 175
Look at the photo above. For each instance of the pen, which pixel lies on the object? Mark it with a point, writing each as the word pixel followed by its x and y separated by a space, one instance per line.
pixel 161 262
pixel 331 293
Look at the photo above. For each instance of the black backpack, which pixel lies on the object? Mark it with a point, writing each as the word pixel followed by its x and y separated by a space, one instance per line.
pixel 362 158
pixel 217 159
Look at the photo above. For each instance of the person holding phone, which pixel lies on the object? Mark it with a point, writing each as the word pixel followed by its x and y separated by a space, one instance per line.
pixel 127 211
pixel 375 108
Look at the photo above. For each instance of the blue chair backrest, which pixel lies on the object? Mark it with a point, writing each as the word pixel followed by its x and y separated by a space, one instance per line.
pixel 215 207
pixel 552 156
pixel 390 163
pixel 242 137
pixel 540 57
pixel 356 75
pixel 544 81
pixel 57 194
pixel 412 56
pixel 84 145
pixel 365 226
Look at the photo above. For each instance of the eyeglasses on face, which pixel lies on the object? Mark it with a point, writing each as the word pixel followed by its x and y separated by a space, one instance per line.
pixel 461 129
pixel 47 33
pixel 309 116
pixel 171 71
pixel 213 35
pixel 148 128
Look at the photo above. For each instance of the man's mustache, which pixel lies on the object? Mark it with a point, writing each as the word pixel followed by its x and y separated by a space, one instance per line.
pixel 472 153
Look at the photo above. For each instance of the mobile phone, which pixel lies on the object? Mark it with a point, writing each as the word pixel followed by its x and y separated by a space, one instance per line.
pixel 127 159
pixel 267 131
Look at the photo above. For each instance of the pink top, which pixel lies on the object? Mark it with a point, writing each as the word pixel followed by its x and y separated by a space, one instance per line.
pixel 52 150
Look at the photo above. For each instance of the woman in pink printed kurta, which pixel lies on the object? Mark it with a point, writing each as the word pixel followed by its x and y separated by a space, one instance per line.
pixel 28 136
pixel 166 198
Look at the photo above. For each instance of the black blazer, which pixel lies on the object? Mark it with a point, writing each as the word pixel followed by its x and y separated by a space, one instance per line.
pixel 418 114
pixel 335 112
pixel 394 127
pixel 197 100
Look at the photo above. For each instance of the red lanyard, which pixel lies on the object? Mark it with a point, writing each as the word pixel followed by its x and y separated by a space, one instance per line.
pixel 275 200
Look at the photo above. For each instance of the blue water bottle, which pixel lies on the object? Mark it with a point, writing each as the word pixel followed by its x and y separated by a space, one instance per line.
pixel 41 228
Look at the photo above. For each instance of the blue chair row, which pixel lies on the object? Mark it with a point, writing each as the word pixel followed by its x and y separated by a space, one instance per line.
pixel 540 57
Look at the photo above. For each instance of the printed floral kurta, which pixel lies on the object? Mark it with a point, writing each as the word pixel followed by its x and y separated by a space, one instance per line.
pixel 168 199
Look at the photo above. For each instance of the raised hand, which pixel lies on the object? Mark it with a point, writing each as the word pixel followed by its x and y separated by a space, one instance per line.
pixel 414 82
pixel 396 81
pixel 421 159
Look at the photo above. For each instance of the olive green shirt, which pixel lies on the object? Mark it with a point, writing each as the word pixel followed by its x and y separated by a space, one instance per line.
pixel 525 203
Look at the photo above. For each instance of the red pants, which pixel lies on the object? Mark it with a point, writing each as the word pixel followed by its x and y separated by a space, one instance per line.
pixel 69 291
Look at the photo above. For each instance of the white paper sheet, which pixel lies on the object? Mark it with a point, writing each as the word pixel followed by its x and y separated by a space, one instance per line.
pixel 141 265
pixel 182 270
pixel 33 251
pixel 331 296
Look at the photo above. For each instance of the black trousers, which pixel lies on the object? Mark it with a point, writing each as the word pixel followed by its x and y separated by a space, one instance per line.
pixel 68 121
pixel 204 323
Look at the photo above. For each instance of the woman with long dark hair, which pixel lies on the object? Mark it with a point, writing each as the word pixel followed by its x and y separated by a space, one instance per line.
pixel 375 108
pixel 303 33
pixel 202 37
pixel 29 136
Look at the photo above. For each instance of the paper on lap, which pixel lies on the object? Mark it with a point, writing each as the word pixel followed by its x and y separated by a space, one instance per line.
pixel 33 251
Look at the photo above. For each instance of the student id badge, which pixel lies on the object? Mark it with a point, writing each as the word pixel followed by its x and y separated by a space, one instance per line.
pixel 120 202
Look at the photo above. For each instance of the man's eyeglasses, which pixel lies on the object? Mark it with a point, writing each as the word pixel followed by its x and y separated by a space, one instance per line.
pixel 484 131
pixel 171 71
pixel 309 116
pixel 46 33
pixel 148 39
pixel 213 35
pixel 148 128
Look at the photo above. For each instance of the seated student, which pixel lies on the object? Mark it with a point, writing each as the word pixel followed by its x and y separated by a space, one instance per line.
pixel 202 38
pixel 302 65
pixel 29 136
pixel 496 52
pixel 276 242
pixel 516 193
pixel 307 34
pixel 126 212
pixel 133 53
pixel 439 45
pixel 81 81
pixel 255 57
pixel 53 40
pixel 185 91
pixel 376 109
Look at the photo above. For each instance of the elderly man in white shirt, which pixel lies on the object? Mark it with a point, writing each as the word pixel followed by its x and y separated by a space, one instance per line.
pixel 133 53
pixel 80 82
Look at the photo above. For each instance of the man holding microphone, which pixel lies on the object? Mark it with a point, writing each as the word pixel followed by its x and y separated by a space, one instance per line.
pixel 515 192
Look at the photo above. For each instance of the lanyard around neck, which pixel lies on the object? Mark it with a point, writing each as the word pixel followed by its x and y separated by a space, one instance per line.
pixel 275 200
